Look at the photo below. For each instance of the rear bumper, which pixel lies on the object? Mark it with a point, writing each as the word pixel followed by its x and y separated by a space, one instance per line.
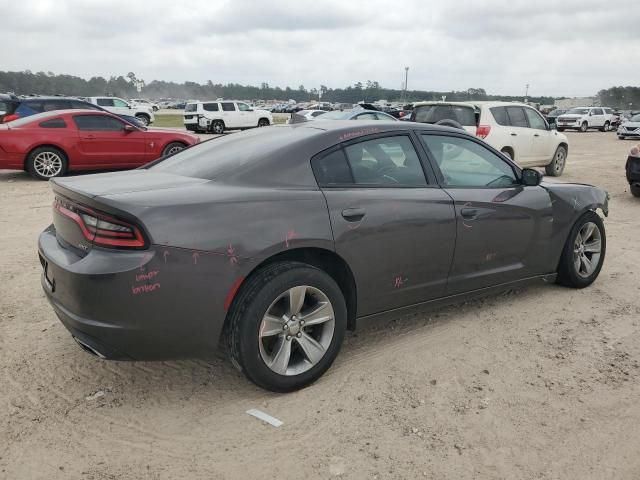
pixel 138 305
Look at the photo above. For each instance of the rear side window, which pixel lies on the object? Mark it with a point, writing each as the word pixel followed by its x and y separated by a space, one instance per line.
pixel 105 102
pixel 332 169
pixel 192 107
pixel 100 123
pixel 228 107
pixel 51 105
pixel 82 105
pixel 517 117
pixel 210 107
pixel 388 161
pixel 26 109
pixel 53 123
pixel 465 116
pixel 3 108
pixel 500 115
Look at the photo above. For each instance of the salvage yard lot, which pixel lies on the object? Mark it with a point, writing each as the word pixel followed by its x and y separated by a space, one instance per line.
pixel 540 382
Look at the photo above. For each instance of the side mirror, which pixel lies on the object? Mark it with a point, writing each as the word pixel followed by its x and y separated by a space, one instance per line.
pixel 531 177
pixel 553 126
pixel 129 128
pixel 590 114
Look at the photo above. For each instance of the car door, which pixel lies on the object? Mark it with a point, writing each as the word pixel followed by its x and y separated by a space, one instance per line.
pixel 120 107
pixel 230 115
pixel 596 117
pixel 394 228
pixel 104 143
pixel 544 140
pixel 247 115
pixel 503 228
pixel 520 133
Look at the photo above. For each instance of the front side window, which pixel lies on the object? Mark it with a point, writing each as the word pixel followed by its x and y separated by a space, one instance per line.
pixel 82 105
pixel 209 107
pixel 228 107
pixel 100 123
pixel 120 103
pixel 597 111
pixel 535 120
pixel 517 117
pixel 465 163
pixel 388 161
pixel 243 107
pixel 105 102
pixel 51 105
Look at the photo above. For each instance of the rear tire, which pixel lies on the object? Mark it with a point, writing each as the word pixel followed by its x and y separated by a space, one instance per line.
pixel 635 190
pixel 217 127
pixel 606 127
pixel 556 167
pixel 620 137
pixel 173 148
pixel 584 127
pixel 144 119
pixel 560 129
pixel 263 122
pixel 579 266
pixel 296 356
pixel 47 162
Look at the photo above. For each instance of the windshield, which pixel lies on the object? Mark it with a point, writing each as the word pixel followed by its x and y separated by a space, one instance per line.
pixel 635 118
pixel 335 116
pixel 191 107
pixel 579 111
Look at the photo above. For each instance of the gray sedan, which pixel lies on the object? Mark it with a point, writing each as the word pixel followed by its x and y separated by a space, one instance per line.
pixel 273 242
pixel 630 128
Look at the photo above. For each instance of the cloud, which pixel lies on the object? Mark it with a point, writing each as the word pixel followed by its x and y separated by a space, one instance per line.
pixel 574 47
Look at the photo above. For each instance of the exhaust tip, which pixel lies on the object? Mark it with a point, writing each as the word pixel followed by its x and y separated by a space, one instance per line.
pixel 88 348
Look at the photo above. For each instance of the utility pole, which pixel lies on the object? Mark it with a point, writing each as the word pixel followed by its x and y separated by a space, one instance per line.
pixel 406 79
pixel 526 92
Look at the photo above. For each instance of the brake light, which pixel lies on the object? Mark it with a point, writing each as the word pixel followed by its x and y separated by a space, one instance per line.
pixel 483 131
pixel 99 228
pixel 10 118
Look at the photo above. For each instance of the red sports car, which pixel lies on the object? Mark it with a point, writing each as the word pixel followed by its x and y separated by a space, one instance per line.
pixel 50 144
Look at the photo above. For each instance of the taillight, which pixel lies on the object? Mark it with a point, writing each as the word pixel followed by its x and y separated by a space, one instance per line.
pixel 10 118
pixel 483 131
pixel 100 228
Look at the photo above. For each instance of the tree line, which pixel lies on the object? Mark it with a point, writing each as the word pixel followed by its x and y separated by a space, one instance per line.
pixel 48 83
pixel 626 98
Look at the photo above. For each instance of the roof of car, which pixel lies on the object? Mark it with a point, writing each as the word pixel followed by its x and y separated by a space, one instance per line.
pixel 472 103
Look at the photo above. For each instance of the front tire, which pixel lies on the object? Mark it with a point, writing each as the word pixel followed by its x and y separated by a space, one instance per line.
pixel 173 148
pixel 635 190
pixel 47 162
pixel 556 167
pixel 584 127
pixel 583 253
pixel 560 129
pixel 286 326
pixel 606 127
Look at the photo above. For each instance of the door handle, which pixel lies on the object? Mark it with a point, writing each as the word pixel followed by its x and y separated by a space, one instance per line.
pixel 513 134
pixel 469 212
pixel 353 214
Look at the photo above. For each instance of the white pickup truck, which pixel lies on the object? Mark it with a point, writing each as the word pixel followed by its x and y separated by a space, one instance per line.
pixel 120 107
pixel 584 118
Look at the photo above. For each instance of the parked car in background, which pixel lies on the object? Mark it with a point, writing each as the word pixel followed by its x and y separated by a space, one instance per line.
pixel 633 170
pixel 218 116
pixel 120 107
pixel 585 118
pixel 629 128
pixel 145 103
pixel 553 115
pixel 274 243
pixel 356 114
pixel 515 129
pixel 305 115
pixel 50 144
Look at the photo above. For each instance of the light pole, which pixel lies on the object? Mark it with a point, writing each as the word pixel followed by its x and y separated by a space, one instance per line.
pixel 406 79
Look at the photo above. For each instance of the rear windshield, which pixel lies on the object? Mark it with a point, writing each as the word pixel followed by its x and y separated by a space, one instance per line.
pixel 465 116
pixel 191 107
pixel 234 153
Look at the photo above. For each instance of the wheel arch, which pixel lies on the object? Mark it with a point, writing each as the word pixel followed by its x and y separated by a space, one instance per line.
pixel 509 149
pixel 326 260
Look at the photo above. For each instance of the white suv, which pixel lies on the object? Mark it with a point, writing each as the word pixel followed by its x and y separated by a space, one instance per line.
pixel 515 129
pixel 220 115
pixel 120 107
pixel 584 118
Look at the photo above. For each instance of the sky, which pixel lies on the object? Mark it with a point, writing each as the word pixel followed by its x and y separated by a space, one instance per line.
pixel 559 48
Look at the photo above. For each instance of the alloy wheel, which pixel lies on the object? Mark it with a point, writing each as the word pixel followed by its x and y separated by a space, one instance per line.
pixel 559 160
pixel 297 330
pixel 174 149
pixel 47 164
pixel 587 249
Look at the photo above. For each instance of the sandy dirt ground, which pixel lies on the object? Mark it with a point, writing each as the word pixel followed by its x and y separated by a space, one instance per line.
pixel 538 383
